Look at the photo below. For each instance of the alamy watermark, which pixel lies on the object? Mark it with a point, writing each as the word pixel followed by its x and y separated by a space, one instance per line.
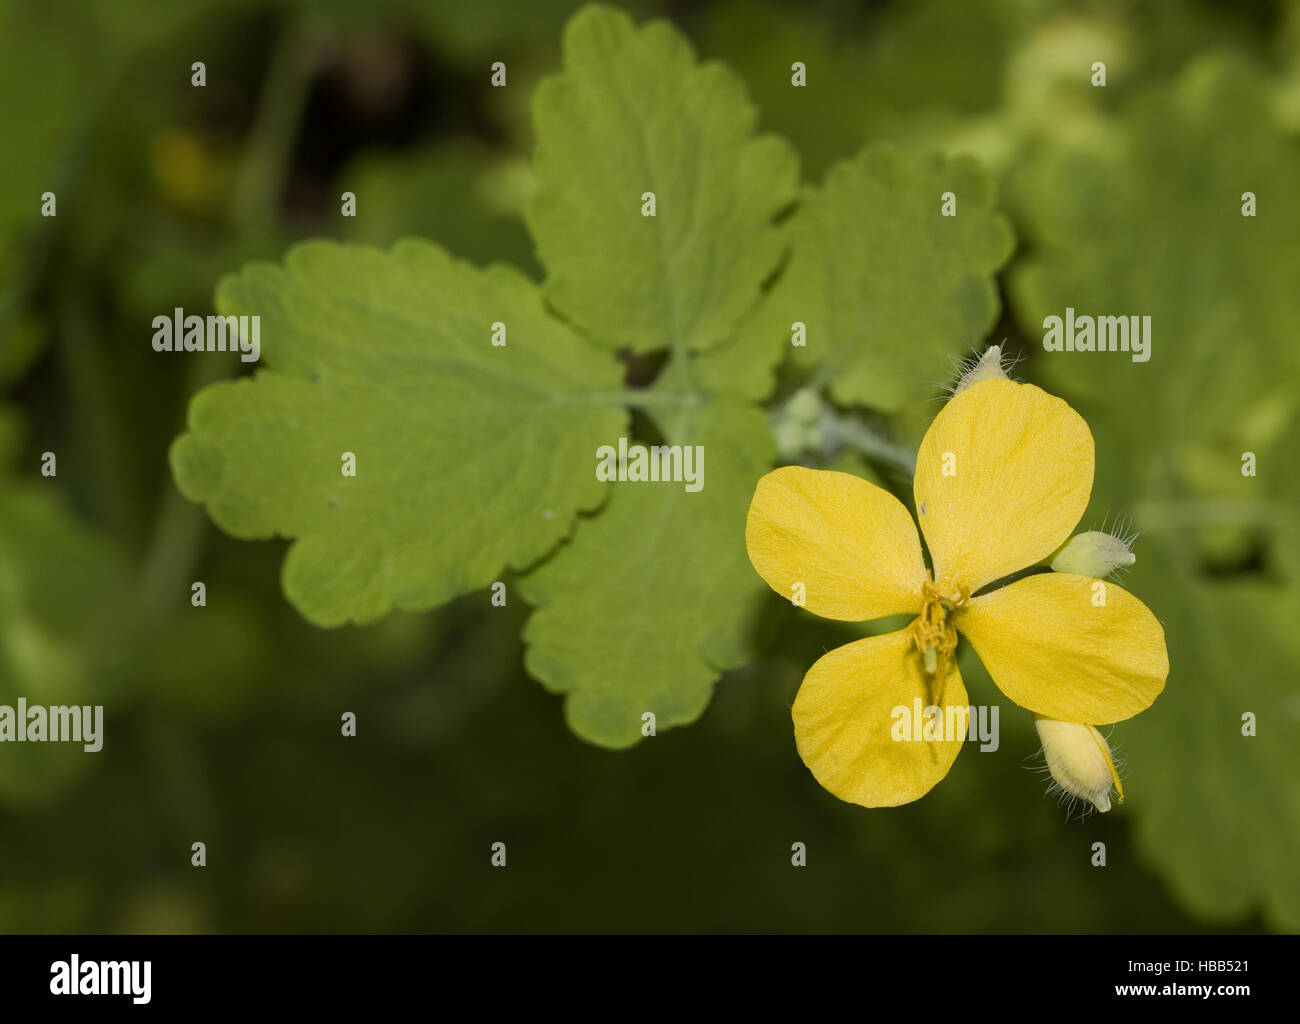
pixel 658 463
pixel 58 723
pixel 181 333
pixel 951 722
pixel 73 977
pixel 1098 334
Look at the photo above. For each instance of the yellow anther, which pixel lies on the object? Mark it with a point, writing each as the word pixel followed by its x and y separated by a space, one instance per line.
pixel 932 633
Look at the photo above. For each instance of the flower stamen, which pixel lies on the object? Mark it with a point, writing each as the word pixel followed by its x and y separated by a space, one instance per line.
pixel 933 634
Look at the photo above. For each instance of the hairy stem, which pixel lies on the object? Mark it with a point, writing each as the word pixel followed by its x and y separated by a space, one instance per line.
pixel 850 432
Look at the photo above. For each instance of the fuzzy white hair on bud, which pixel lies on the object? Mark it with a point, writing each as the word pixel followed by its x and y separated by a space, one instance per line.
pixel 992 365
pixel 1094 554
pixel 1080 762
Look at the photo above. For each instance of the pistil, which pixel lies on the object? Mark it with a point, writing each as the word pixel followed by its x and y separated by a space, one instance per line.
pixel 933 633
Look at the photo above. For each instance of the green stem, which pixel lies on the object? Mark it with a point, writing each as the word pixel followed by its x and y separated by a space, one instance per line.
pixel 181 528
pixel 855 434
pixel 179 532
pixel 85 374
pixel 275 129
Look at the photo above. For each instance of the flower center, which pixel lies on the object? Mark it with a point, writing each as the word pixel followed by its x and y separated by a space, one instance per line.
pixel 933 632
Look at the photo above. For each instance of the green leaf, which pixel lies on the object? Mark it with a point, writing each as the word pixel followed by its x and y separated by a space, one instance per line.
pixel 473 459
pixel 470 457
pixel 922 74
pixel 745 366
pixel 1233 649
pixel 1163 190
pixel 653 598
pixel 632 113
pixel 59 586
pixel 888 288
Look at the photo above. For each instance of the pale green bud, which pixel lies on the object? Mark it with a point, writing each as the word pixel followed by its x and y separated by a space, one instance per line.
pixel 791 437
pixel 804 406
pixel 1093 554
pixel 1079 759
pixel 986 367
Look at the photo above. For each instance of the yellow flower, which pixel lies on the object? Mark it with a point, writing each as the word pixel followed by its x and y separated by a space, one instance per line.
pixel 1003 476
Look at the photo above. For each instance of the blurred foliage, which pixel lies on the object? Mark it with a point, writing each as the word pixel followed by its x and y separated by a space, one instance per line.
pixel 1223 379
pixel 887 290
pixel 222 723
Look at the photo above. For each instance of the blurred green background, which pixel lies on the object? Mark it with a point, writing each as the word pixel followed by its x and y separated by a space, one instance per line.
pixel 223 722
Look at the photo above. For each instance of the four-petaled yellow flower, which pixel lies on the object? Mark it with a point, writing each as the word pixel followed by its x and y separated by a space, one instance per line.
pixel 1003 476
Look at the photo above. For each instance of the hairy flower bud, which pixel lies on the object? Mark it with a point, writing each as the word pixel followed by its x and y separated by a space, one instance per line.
pixel 986 367
pixel 1079 760
pixel 797 424
pixel 1093 554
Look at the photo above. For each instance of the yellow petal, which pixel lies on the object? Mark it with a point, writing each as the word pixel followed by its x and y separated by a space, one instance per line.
pixel 851 545
pixel 853 704
pixel 1002 477
pixel 1054 648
